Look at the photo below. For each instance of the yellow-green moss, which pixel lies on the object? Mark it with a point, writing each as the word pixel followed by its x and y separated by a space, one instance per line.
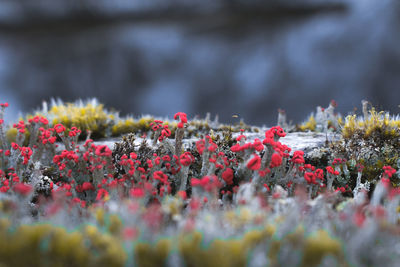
pixel 115 225
pixel 309 125
pixel 99 214
pixel 319 245
pixel 11 135
pixel 48 245
pixel 372 141
pixel 218 253
pixel 152 256
pixel 377 122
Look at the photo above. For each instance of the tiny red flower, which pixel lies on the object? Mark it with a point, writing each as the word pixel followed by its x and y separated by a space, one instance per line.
pixel 267 187
pixel 276 160
pixel 159 175
pixel 166 158
pixel 87 186
pixel 183 118
pixel 22 189
pixel 182 194
pixel 310 177
pixel 101 194
pixel 227 176
pixel 275 131
pixel 320 174
pixel 330 170
pixel 236 148
pixel 186 159
pixel 200 145
pixel 165 133
pixel 4 189
pixel 14 146
pixel 103 151
pixel 388 171
pixel 254 163
pixel 59 128
pixel 298 157
pixel 258 145
pixel 137 192
pixel 240 137
pixel 264 172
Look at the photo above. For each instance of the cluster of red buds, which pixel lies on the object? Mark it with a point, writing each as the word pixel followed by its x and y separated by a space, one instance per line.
pixel 39 119
pixel 25 152
pixel 20 126
pixel 312 176
pixel 47 136
pixel 182 117
pixel 209 144
pixel 161 131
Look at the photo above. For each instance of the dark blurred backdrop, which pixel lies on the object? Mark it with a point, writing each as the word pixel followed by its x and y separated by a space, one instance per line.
pixel 244 57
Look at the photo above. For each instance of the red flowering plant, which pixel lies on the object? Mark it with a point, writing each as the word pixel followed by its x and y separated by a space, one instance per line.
pixel 129 164
pixel 273 160
pixel 186 159
pixel 3 143
pixel 207 187
pixel 88 163
pixel 331 175
pixel 207 148
pixel 21 132
pixel 270 163
pixel 179 131
pixel 339 166
pixel 384 187
pixel 157 127
pixel 33 126
pixel 388 172
pixel 296 169
pixel 314 179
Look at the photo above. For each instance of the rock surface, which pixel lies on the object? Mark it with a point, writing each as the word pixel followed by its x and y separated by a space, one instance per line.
pixel 306 141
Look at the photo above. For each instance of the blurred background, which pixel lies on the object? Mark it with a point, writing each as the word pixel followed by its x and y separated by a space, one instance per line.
pixel 226 57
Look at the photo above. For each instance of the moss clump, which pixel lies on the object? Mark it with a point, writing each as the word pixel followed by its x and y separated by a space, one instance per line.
pixel 48 245
pixel 147 255
pixel 378 125
pixel 216 254
pixel 309 125
pixel 11 136
pixel 90 116
pixel 319 245
pixel 373 141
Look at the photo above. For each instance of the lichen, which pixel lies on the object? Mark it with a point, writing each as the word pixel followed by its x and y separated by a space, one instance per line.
pixel 198 193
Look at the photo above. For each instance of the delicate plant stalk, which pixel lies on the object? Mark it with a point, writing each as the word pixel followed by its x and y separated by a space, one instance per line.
pixel 178 141
pixel 183 178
